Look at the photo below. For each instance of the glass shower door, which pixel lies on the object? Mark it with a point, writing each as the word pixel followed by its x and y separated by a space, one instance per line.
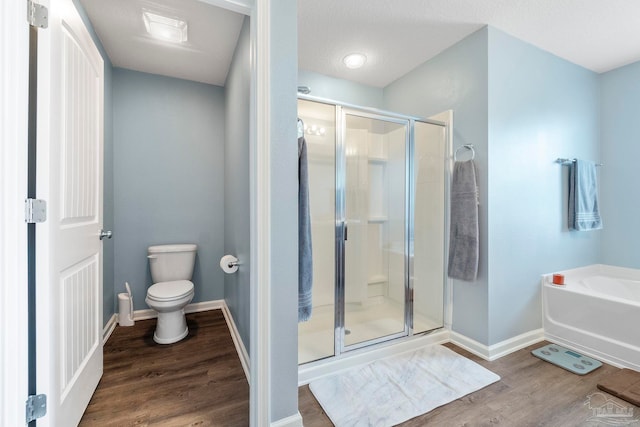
pixel 374 204
pixel 316 337
pixel 427 234
pixel 377 186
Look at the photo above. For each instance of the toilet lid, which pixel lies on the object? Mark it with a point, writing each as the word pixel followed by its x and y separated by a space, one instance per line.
pixel 164 291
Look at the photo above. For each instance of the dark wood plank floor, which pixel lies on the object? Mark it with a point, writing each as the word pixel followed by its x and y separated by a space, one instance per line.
pixel 198 381
pixel 531 392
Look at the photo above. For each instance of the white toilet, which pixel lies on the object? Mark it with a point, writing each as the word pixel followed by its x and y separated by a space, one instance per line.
pixel 171 271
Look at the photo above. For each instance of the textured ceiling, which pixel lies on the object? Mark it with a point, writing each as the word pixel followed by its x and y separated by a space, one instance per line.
pixel 399 35
pixel 395 35
pixel 205 57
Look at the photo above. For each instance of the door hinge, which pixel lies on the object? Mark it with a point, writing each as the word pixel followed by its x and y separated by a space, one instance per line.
pixel 36 407
pixel 35 210
pixel 37 14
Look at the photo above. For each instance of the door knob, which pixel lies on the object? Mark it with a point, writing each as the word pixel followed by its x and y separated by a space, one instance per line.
pixel 108 234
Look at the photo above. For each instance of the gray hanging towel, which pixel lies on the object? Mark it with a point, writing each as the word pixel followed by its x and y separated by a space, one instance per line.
pixel 584 214
pixel 464 247
pixel 305 259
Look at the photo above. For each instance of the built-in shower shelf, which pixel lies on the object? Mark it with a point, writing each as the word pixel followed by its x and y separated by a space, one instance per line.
pixel 374 159
pixel 378 278
pixel 374 219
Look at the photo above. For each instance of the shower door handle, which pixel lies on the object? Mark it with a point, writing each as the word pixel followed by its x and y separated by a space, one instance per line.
pixel 346 231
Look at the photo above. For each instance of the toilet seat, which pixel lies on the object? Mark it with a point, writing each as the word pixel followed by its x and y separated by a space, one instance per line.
pixel 168 291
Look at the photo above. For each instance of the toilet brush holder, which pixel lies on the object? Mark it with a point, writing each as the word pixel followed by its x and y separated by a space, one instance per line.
pixel 125 308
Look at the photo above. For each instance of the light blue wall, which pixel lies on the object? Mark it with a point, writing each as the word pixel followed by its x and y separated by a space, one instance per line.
pixel 283 152
pixel 341 90
pixel 108 299
pixel 620 135
pixel 522 108
pixel 541 107
pixel 237 191
pixel 457 79
pixel 168 177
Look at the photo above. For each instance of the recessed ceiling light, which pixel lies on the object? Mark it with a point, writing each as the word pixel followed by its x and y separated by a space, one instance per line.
pixel 354 60
pixel 165 28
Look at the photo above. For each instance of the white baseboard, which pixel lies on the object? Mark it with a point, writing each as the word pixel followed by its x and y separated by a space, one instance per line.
pixel 292 421
pixel 237 340
pixel 109 328
pixel 191 308
pixel 205 306
pixel 496 351
pixel 144 314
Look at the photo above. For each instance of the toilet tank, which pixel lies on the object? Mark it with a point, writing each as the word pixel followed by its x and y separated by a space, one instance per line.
pixel 171 262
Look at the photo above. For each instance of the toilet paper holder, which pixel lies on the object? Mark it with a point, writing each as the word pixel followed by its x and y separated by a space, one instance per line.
pixel 229 264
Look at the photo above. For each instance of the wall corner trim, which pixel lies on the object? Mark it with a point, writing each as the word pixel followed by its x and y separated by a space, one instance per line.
pixel 109 328
pixel 496 351
pixel 260 296
pixel 292 421
pixel 237 341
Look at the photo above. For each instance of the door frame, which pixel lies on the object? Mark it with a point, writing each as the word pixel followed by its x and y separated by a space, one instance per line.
pixel 260 205
pixel 14 90
pixel 260 217
pixel 13 175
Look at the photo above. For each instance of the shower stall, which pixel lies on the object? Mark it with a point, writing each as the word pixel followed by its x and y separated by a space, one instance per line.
pixel 377 185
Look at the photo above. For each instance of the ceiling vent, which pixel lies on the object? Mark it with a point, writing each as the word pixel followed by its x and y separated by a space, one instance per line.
pixel 164 28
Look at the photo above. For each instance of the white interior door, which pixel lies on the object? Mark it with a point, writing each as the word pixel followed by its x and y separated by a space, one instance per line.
pixel 69 251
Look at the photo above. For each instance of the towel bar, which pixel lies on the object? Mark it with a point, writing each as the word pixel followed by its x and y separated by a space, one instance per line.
pixel 569 161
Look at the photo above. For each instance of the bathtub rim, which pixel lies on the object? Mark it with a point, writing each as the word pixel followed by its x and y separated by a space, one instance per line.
pixel 589 271
pixel 592 269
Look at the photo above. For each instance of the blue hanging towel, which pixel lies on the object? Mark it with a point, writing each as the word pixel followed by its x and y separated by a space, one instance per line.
pixel 305 258
pixel 584 214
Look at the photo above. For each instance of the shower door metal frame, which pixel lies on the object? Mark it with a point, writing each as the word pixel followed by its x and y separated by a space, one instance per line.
pixel 342 226
pixel 340 232
pixel 341 110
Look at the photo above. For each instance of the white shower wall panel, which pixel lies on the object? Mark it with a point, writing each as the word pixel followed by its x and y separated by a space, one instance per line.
pixel 358 202
pixel 396 212
pixel 321 173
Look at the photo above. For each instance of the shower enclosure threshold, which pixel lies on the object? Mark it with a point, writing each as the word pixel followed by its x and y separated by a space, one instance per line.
pixel 366 323
pixel 330 365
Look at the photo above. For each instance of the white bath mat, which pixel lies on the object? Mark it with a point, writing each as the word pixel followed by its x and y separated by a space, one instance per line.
pixel 392 390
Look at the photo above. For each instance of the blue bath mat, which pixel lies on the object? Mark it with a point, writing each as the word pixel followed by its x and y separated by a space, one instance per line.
pixel 567 359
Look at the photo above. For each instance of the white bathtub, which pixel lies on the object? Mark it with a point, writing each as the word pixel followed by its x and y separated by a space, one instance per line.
pixel 596 312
